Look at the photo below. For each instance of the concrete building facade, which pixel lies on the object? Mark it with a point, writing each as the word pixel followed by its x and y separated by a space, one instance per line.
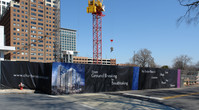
pixel 29 26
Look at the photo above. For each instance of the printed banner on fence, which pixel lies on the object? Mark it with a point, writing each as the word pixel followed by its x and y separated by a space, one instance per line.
pixel 32 75
pixel 101 78
pixel 152 78
pixel 68 78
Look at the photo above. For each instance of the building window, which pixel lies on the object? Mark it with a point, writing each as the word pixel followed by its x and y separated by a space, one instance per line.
pixel 33 22
pixel 48 4
pixel 40 58
pixel 40 15
pixel 40 28
pixel 33 45
pixel 40 32
pixel 33 49
pixel 33 54
pixel 40 37
pixel 33 5
pixel 32 18
pixel 40 2
pixel 40 54
pixel 41 50
pixel 40 45
pixel 33 40
pixel 33 27
pixel 33 1
pixel 40 7
pixel 33 58
pixel 40 19
pixel 32 9
pixel 41 24
pixel 40 11
pixel 34 14
pixel 34 36
pixel 17 6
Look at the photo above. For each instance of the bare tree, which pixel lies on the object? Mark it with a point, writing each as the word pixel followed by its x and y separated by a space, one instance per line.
pixel 143 58
pixel 192 13
pixel 181 62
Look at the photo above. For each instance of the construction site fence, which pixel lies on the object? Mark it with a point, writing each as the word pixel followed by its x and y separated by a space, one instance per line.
pixel 189 78
pixel 66 78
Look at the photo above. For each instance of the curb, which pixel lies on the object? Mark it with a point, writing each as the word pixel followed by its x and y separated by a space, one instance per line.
pixel 16 91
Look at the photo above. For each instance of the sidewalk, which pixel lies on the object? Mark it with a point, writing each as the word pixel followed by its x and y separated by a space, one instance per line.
pixel 16 91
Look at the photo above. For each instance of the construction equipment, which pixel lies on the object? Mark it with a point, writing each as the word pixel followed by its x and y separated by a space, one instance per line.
pixel 96 7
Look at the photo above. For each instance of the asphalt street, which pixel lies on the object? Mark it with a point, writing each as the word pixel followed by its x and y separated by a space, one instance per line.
pixel 182 98
pixel 37 102
pixel 155 99
pixel 95 101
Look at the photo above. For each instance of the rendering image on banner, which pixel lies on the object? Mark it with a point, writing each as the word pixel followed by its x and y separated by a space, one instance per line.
pixel 68 78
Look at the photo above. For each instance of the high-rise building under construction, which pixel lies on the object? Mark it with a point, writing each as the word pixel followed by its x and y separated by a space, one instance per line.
pixel 30 27
pixel 3 5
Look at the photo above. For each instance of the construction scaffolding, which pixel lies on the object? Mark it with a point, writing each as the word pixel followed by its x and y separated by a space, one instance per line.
pixel 57 49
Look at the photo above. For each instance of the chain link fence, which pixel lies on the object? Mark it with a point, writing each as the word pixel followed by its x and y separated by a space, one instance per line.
pixel 189 78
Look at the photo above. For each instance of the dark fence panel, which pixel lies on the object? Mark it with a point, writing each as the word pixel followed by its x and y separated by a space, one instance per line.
pixel 33 75
pixel 153 78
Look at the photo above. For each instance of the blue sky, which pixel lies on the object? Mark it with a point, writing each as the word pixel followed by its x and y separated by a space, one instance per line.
pixel 134 25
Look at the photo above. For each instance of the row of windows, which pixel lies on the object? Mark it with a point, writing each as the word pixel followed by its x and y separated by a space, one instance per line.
pixel 14 57
pixel 40 54
pixel 41 45
pixel 32 58
pixel 21 20
pixel 66 32
pixel 18 48
pixel 32 9
pixel 23 30
pixel 18 34
pixel 19 11
pixel 18 43
pixel 22 53
pixel 41 37
pixel 22 39
pixel 40 50
pixel 21 16
pixel 22 25
pixel 41 24
pixel 34 5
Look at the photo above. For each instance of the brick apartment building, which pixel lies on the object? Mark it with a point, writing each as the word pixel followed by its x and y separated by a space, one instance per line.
pixel 29 27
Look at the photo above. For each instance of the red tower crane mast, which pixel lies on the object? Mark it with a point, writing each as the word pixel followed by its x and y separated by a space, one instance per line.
pixel 96 8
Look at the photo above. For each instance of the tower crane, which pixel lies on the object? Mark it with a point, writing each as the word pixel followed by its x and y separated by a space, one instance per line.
pixel 96 7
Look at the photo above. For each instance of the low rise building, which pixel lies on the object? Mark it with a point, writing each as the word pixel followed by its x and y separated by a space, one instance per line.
pixel 86 60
